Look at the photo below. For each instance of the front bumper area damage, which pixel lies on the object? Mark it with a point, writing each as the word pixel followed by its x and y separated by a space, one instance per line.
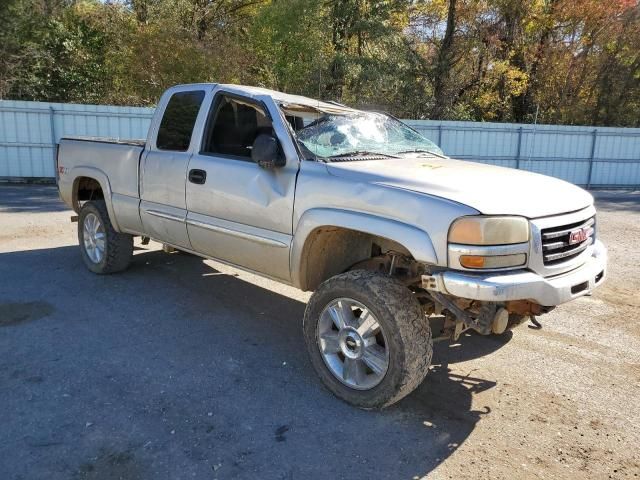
pixel 523 285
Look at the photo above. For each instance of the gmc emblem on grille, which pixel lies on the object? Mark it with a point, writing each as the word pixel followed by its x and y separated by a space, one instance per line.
pixel 578 236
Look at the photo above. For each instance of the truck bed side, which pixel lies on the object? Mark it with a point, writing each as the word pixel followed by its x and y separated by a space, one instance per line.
pixel 114 164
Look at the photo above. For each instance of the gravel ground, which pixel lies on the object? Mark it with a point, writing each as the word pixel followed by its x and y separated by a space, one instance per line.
pixel 184 368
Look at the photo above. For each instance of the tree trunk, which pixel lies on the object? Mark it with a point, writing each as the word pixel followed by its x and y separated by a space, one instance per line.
pixel 443 65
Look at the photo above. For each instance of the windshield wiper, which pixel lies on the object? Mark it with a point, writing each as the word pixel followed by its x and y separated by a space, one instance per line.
pixel 418 150
pixel 362 153
pixel 415 150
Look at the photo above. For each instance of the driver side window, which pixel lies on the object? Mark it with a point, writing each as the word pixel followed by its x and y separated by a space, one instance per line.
pixel 233 126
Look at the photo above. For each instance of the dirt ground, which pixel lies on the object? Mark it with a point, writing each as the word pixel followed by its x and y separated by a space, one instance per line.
pixel 184 368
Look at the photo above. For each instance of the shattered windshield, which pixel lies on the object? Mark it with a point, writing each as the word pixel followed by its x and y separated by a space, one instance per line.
pixel 362 133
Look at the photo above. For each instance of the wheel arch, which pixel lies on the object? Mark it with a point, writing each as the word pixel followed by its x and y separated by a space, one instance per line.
pixel 87 178
pixel 329 241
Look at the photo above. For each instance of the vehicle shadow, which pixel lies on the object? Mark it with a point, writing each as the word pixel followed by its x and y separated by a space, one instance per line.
pixel 188 369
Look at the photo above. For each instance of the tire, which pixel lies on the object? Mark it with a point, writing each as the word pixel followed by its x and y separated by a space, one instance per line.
pixel 403 330
pixel 117 248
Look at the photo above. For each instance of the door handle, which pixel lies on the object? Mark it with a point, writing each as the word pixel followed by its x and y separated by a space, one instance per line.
pixel 197 176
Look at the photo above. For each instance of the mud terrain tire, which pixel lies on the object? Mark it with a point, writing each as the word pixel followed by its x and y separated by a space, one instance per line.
pixel 406 331
pixel 117 247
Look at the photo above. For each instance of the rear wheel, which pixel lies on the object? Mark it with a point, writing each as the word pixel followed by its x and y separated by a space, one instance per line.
pixel 368 338
pixel 103 249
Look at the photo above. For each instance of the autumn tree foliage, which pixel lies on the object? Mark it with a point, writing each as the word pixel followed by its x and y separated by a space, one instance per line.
pixel 552 61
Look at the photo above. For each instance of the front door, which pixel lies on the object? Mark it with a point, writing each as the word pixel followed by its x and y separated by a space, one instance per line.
pixel 240 212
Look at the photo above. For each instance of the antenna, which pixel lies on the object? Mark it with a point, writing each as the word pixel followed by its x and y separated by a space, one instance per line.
pixel 535 122
pixel 319 91
pixel 319 79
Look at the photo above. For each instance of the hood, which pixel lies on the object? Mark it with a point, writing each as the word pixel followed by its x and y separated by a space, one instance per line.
pixel 489 189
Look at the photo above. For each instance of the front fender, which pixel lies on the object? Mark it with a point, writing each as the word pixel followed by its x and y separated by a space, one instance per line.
pixel 413 239
pixel 69 186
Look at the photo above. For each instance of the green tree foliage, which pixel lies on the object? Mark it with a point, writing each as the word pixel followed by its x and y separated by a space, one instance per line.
pixel 559 61
pixel 53 52
pixel 290 48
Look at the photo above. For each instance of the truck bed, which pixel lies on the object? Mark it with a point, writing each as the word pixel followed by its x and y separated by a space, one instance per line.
pixel 117 160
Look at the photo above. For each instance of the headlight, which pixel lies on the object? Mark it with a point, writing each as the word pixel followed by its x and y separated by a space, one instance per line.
pixel 489 243
pixel 489 231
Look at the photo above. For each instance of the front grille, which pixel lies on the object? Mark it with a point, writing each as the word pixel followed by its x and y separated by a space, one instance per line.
pixel 563 243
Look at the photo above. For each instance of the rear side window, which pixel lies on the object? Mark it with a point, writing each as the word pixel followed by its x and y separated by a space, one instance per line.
pixel 178 120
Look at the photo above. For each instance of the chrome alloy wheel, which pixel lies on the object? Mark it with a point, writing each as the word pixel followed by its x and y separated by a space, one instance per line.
pixel 352 344
pixel 94 238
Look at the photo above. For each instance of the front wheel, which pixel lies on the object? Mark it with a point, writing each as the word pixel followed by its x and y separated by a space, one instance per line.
pixel 368 338
pixel 103 249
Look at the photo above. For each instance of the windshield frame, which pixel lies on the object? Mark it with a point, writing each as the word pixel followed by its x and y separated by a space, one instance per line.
pixel 318 114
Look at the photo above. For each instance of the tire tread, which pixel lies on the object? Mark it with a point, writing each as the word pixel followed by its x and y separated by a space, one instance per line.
pixel 119 246
pixel 409 319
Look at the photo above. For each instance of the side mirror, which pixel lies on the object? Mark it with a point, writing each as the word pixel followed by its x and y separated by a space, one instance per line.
pixel 266 152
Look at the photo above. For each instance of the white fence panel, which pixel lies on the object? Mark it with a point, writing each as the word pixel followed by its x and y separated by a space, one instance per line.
pixel 29 131
pixel 597 157
pixel 588 156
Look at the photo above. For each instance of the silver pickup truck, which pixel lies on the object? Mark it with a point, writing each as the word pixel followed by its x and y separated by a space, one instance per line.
pixel 400 244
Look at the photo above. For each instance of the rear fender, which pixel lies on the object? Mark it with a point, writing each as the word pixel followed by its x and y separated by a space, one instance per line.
pixel 98 175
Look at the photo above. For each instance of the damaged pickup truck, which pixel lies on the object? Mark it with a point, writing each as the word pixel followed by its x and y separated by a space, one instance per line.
pixel 400 244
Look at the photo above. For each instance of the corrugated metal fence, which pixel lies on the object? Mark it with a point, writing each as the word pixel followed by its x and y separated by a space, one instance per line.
pixel 29 131
pixel 596 157
pixel 588 156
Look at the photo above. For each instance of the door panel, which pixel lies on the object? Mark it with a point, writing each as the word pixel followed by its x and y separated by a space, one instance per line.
pixel 163 207
pixel 242 214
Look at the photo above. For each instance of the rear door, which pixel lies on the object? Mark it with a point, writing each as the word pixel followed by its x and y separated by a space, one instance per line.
pixel 163 171
pixel 242 213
